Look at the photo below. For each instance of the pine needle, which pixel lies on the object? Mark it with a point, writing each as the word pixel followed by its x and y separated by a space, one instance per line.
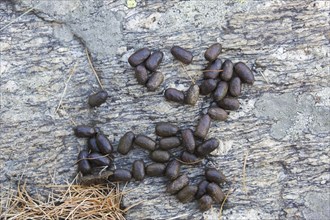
pixel 92 67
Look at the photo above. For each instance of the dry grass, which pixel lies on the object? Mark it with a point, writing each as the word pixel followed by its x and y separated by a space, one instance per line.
pixel 66 202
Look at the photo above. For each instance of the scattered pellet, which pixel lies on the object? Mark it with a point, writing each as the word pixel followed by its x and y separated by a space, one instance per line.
pixel 83 165
pixel 138 170
pixel 227 70
pixel 126 142
pixel 188 157
pixel 84 131
pixel 212 71
pixel 120 175
pixel 154 81
pixel 217 113
pixel 235 86
pixel 99 159
pixel 155 169
pixel 244 72
pixel 174 95
pixel 215 192
pixel 139 57
pixel 203 126
pixel 103 144
pixel 177 184
pixel 169 143
pixel 208 86
pixel 165 129
pixel 192 95
pixel 182 55
pixel 205 203
pixel 188 140
pixel 221 91
pixel 145 142
pixel 201 189
pixel 187 194
pixel 207 147
pixel 141 74
pixel 214 175
pixel 173 169
pixel 160 156
pixel 213 52
pixel 154 60
pixel 98 98
pixel 229 103
pixel 92 146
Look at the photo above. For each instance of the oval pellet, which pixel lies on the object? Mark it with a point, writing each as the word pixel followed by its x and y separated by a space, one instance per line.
pixel 141 74
pixel 165 129
pixel 169 143
pixel 213 52
pixel 235 86
pixel 214 175
pixel 155 169
pixel 207 147
pixel 203 126
pixel 229 103
pixel 227 70
pixel 208 86
pixel 98 98
pixel 205 203
pixel 192 95
pixel 126 143
pixel 217 114
pixel 103 144
pixel 84 131
pixel 188 157
pixel 212 70
pixel 221 91
pixel 121 175
pixel 177 184
pixel 92 145
pixel 201 189
pixel 83 165
pixel 139 57
pixel 145 142
pixel 173 169
pixel 154 81
pixel 154 60
pixel 99 159
pixel 182 55
pixel 244 72
pixel 138 170
pixel 160 156
pixel 187 194
pixel 188 140
pixel 215 192
pixel 174 95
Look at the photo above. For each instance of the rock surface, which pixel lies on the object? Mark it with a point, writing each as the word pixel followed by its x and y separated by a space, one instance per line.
pixel 282 125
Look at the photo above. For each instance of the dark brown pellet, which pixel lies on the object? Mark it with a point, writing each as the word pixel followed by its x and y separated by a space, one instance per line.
pixel 207 147
pixel 154 60
pixel 176 185
pixel 203 126
pixel 208 86
pixel 182 55
pixel 98 98
pixel 121 175
pixel 138 170
pixel 214 175
pixel 84 131
pixel 213 52
pixel 188 157
pixel 192 95
pixel 99 159
pixel 215 192
pixel 212 70
pixel 201 189
pixel 205 203
pixel 235 86
pixel 187 194
pixel 155 169
pixel 103 144
pixel 141 74
pixel 83 165
pixel 126 142
pixel 139 57
pixel 92 146
pixel 227 70
pixel 165 129
pixel 217 114
pixel 174 95
pixel 173 169
pixel 154 81
pixel 160 156
pixel 221 91
pixel 229 103
pixel 169 143
pixel 188 140
pixel 145 142
pixel 244 72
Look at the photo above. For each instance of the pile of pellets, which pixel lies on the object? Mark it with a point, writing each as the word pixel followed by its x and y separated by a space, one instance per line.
pixel 222 80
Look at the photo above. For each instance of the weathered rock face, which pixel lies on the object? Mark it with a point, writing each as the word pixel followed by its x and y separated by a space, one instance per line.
pixel 282 125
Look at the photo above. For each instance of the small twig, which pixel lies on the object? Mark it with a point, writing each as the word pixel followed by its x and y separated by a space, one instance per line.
pixel 66 86
pixel 185 71
pixel 223 202
pixel 244 172
pixel 191 163
pixel 92 67
pixel 265 78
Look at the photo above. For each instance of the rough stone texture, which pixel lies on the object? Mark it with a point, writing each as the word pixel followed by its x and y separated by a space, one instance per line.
pixel 283 125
